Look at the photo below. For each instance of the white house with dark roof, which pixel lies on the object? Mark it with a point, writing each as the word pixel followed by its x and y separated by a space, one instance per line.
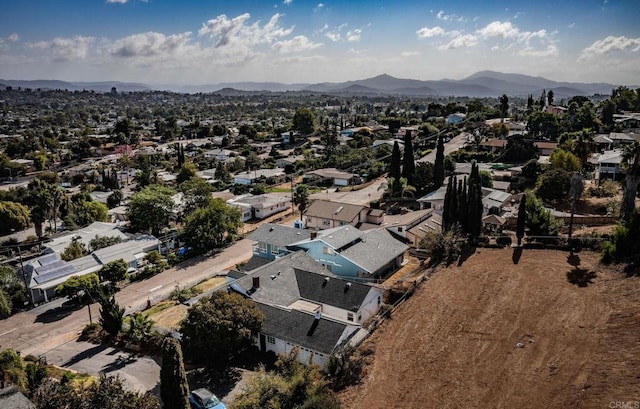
pixel 253 176
pixel 337 177
pixel 260 206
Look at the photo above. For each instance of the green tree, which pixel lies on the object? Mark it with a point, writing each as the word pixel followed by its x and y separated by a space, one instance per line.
pixel 504 106
pixel 442 247
pixel 75 286
pixel 395 168
pixel 114 199
pixel 292 385
pixel 539 220
pixel 174 389
pixel 197 193
pixel 424 178
pixel 111 314
pixel 12 370
pixel 408 161
pixel 13 217
pixel 304 121
pixel 562 159
pixel 100 242
pixel 553 185
pixel 301 197
pixel 522 219
pixel 220 327
pixel 438 167
pixel 151 208
pixel 207 227
pixel 114 271
pixel 5 304
pixel 74 250
pixel 187 171
pixel 140 328
pixel 631 160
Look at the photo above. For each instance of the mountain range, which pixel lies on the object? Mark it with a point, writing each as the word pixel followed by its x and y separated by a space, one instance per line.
pixel 479 85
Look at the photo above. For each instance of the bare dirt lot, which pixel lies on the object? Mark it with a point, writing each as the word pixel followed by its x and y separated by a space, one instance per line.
pixel 547 332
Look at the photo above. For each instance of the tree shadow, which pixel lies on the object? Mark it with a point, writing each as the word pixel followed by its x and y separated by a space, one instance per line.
pixel 120 362
pixel 517 253
pixel 465 254
pixel 581 277
pixel 54 315
pixel 88 353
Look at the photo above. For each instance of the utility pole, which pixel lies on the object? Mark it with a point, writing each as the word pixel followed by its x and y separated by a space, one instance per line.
pixel 24 277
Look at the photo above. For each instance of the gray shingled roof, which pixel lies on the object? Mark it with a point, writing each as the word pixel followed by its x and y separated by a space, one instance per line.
pixel 278 285
pixel 293 326
pixel 376 249
pixel 325 209
pixel 331 291
pixel 278 235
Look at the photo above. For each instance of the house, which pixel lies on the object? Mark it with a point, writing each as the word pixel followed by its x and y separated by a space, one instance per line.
pixel 84 235
pixel 260 206
pixel 333 175
pixel 555 110
pixel 253 176
pixel 603 142
pixel 419 231
pixel 494 145
pixel 610 165
pixel 386 142
pixel 434 200
pixel 545 148
pixel 43 274
pixel 315 336
pixel 494 200
pixel 325 214
pixel 399 225
pixel 11 397
pixel 623 138
pixel 218 154
pixel 271 240
pixel 493 223
pixel 349 252
pixel 305 306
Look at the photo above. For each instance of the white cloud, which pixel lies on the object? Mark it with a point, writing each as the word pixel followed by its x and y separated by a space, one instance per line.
pixel 499 29
pixel 409 53
pixel 318 7
pixel 236 33
pixel 151 44
pixel 66 49
pixel 450 17
pixel 426 32
pixel 611 44
pixel 117 1
pixel 296 44
pixel 333 35
pixel 463 40
pixel 287 2
pixel 550 51
pixel 354 35
pixel 13 37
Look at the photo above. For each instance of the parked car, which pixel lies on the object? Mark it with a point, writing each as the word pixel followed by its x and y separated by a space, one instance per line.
pixel 204 399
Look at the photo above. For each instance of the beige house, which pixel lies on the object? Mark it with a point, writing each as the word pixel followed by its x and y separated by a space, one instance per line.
pixel 324 214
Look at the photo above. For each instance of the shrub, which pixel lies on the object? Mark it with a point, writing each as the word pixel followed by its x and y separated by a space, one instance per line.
pixel 184 294
pixel 503 240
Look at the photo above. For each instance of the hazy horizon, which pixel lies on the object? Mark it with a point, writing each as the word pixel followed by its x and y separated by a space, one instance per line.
pixel 197 42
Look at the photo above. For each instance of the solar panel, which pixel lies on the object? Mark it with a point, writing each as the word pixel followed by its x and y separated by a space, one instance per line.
pixel 48 259
pixel 63 271
pixel 50 267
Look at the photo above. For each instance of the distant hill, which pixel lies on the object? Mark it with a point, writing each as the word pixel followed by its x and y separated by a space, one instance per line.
pixel 482 84
pixel 104 86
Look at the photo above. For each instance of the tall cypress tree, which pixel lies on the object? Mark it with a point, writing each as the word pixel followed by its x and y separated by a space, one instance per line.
pixel 408 161
pixel 475 201
pixel 394 166
pixel 174 389
pixel 438 168
pixel 522 218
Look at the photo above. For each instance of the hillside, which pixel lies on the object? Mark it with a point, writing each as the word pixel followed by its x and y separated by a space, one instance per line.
pixel 453 344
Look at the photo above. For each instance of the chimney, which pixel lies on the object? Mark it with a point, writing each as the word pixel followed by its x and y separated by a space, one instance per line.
pixel 316 321
pixel 314 234
pixel 325 281
pixel 346 287
pixel 256 282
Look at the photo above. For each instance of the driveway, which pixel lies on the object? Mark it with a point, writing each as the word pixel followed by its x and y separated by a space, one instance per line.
pixel 453 145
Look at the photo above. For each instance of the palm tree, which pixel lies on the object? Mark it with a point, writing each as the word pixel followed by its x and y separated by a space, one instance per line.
pixel 301 197
pixel 631 158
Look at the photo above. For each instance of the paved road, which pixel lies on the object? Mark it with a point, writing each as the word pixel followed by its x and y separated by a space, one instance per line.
pixel 43 329
pixel 453 145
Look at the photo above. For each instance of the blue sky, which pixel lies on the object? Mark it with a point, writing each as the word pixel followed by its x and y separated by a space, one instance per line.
pixel 210 41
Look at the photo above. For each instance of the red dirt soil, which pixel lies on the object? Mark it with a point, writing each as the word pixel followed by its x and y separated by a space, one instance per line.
pixel 453 343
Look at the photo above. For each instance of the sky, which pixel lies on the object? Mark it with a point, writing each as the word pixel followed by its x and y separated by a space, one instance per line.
pixel 195 42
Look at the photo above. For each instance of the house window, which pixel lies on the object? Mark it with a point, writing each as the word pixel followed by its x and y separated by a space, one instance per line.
pixel 275 250
pixel 327 250
pixel 349 316
pixel 271 339
pixel 399 229
pixel 262 247
pixel 343 223
pixel 326 222
pixel 309 219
